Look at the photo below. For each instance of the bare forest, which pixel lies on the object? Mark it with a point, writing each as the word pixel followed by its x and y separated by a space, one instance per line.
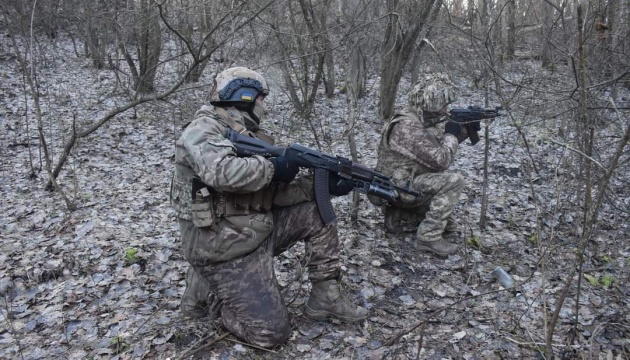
pixel 94 94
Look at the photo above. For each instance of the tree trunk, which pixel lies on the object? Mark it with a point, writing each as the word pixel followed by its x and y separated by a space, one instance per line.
pixel 611 42
pixel 194 30
pixel 511 29
pixel 390 64
pixel 94 44
pixel 497 32
pixel 149 47
pixel 427 32
pixel 396 52
pixel 330 78
pixel 355 75
pixel 546 52
pixel 315 20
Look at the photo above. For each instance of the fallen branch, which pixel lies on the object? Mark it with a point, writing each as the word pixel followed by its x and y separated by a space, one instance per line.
pixel 194 351
pixel 252 346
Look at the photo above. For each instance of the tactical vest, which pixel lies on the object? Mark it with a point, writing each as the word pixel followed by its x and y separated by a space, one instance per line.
pixel 205 206
pixel 399 168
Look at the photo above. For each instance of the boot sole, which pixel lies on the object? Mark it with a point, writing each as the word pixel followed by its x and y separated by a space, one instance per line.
pixel 426 248
pixel 195 314
pixel 323 315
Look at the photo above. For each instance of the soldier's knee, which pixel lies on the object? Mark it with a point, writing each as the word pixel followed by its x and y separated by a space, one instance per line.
pixel 456 181
pixel 315 219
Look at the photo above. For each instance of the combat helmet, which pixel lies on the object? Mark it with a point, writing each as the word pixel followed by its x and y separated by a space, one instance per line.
pixel 239 87
pixel 432 93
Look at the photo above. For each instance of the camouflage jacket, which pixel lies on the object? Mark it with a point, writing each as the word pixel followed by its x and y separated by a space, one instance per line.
pixel 422 151
pixel 242 192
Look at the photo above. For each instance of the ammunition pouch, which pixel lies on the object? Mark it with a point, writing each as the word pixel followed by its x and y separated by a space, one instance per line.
pixel 202 206
pixel 242 204
pixel 208 206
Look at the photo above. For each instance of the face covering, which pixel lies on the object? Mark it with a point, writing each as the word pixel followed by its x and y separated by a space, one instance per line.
pixel 258 113
pixel 252 114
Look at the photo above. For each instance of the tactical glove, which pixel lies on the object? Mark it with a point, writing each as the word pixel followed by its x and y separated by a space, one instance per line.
pixel 338 186
pixel 285 169
pixel 463 134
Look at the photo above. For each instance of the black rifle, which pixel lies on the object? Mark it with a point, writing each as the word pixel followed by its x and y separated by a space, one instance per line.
pixel 364 179
pixel 470 118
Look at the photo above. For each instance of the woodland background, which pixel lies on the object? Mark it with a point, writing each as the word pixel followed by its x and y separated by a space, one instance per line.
pixel 95 93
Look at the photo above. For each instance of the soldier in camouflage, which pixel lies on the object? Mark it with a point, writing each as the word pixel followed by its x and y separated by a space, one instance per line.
pixel 236 214
pixel 414 154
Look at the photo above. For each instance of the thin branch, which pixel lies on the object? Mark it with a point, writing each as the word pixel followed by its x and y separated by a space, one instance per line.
pixel 252 346
pixel 195 350
pixel 579 152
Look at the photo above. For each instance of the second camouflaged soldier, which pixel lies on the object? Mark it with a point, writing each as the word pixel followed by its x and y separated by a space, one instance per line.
pixel 235 214
pixel 412 155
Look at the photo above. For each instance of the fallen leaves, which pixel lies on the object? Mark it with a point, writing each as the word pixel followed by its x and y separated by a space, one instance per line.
pixel 72 289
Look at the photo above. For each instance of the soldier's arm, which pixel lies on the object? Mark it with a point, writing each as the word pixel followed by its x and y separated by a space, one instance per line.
pixel 214 159
pixel 411 139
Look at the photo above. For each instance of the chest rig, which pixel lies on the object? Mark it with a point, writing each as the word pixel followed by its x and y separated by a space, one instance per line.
pixel 209 205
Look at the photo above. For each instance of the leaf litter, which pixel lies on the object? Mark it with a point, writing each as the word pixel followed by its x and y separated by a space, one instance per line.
pixel 69 292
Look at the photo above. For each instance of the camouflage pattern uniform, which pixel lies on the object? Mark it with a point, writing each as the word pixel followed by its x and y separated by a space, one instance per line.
pixel 424 159
pixel 231 236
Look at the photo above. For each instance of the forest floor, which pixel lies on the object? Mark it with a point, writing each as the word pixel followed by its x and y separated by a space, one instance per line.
pixel 104 280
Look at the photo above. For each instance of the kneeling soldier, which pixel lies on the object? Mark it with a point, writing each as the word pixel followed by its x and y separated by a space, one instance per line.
pixel 236 214
pixel 413 156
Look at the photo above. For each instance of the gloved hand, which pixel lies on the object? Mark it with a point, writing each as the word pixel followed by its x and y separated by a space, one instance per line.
pixel 285 169
pixel 463 134
pixel 452 128
pixel 338 186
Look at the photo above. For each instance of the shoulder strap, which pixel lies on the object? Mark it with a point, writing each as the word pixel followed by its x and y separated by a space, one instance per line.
pixel 262 135
pixel 229 121
pixel 387 129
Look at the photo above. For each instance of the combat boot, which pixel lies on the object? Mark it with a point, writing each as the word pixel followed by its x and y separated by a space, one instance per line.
pixel 451 225
pixel 327 301
pixel 194 302
pixel 439 247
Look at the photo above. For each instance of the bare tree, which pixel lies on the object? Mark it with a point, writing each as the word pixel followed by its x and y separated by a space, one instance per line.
pixel 511 29
pixel 405 22
pixel 28 65
pixel 301 57
pixel 194 20
pixel 354 85
pixel 546 52
pixel 94 19
pixel 149 43
pixel 315 18
pixel 239 24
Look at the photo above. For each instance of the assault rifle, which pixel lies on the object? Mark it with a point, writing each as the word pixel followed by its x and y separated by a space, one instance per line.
pixel 470 118
pixel 364 179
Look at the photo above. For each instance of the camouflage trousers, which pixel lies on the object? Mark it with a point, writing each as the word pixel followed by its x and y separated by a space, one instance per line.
pixel 440 193
pixel 252 307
